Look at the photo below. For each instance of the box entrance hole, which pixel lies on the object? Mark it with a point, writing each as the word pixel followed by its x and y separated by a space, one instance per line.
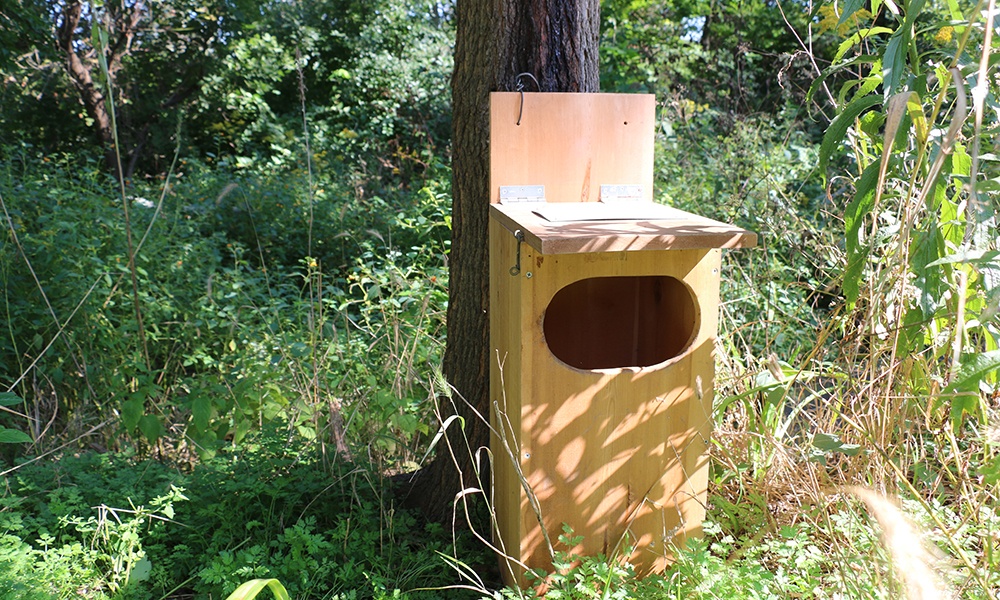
pixel 615 322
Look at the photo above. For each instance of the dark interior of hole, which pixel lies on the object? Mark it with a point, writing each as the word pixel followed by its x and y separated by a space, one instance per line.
pixel 612 322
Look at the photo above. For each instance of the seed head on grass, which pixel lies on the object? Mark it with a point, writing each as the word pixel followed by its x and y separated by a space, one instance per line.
pixel 912 561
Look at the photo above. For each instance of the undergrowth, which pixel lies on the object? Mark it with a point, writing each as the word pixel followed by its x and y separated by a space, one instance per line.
pixel 114 526
pixel 290 362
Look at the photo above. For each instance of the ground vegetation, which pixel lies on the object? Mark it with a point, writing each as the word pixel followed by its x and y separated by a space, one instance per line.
pixel 226 301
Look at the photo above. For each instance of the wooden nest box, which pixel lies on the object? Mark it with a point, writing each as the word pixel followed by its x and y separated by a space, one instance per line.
pixel 603 313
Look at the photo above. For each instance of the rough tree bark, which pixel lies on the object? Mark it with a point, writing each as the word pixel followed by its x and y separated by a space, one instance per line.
pixel 557 42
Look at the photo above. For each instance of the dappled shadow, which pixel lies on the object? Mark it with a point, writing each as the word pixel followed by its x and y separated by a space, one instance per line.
pixel 618 454
pixel 619 459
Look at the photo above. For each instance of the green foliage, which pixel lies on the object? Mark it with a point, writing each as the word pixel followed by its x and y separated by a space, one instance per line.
pixel 292 279
pixel 740 58
pixel 115 527
pixel 777 563
pixel 223 310
pixel 250 589
pixel 235 76
pixel 757 172
pixel 922 210
pixel 370 79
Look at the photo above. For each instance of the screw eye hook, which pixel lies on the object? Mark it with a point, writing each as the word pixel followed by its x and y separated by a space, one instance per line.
pixel 516 269
pixel 520 88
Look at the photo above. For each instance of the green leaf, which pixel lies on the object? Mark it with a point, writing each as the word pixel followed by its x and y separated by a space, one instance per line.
pixel 990 472
pixel 250 589
pixel 201 412
pixel 837 130
pixel 850 7
pixel 854 218
pixel 833 70
pixel 965 385
pixel 406 422
pixel 925 248
pixel 241 429
pixel 974 370
pixel 150 427
pixel 140 571
pixel 13 436
pixel 441 433
pixel 9 399
pixel 856 39
pixel 894 60
pixel 132 410
pixel 830 442
pixel 913 10
pixel 968 256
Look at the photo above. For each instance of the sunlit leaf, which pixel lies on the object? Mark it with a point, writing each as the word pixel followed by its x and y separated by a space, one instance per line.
pixel 837 130
pixel 968 256
pixel 13 436
pixel 856 39
pixel 250 589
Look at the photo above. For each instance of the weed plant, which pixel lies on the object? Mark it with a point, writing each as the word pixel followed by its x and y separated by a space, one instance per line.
pixel 238 336
pixel 111 526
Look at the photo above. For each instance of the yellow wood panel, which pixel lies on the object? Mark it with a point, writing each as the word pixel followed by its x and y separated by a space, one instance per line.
pixel 608 450
pixel 571 143
pixel 619 454
pixel 505 402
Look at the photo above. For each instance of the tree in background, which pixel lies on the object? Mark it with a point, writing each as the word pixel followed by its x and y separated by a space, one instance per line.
pixel 557 42
pixel 155 55
pixel 236 75
pixel 739 57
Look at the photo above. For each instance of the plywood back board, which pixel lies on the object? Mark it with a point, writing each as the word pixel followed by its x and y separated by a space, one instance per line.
pixel 571 143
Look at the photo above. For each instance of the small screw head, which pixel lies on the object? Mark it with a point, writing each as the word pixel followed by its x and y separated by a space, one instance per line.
pixel 528 274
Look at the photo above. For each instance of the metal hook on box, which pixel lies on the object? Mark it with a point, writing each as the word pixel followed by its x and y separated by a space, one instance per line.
pixel 516 269
pixel 520 88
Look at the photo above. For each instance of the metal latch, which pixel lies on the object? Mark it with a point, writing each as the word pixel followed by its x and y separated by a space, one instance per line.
pixel 621 193
pixel 510 194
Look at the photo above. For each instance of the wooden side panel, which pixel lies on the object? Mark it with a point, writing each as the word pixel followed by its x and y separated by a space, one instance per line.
pixel 505 397
pixel 571 143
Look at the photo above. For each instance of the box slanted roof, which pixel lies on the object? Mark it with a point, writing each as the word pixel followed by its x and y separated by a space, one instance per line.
pixel 616 228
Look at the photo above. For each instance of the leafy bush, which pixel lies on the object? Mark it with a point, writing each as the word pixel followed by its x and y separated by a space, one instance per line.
pixel 111 526
pixel 239 327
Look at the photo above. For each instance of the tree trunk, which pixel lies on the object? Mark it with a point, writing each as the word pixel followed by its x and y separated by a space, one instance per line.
pixel 125 24
pixel 91 96
pixel 557 42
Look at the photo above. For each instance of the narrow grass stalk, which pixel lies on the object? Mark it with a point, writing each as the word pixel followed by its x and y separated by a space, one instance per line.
pixel 101 44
